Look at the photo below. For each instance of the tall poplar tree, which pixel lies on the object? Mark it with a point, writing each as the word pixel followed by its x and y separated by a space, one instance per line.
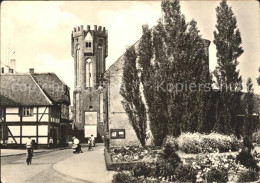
pixel 228 41
pixel 171 55
pixel 249 125
pixel 132 100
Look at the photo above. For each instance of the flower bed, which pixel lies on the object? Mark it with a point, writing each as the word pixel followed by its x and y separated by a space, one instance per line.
pixel 195 143
pixel 125 158
pixel 131 154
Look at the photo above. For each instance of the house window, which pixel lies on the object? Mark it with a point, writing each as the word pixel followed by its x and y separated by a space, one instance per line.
pixel 26 111
pixel 117 133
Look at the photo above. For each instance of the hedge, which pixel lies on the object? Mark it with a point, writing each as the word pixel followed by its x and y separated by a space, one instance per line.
pixel 195 143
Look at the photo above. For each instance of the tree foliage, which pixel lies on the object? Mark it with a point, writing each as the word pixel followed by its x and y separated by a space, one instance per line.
pixel 227 39
pixel 172 57
pixel 132 100
pixel 249 125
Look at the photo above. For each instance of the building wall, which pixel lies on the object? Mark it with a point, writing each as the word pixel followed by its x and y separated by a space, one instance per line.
pixel 40 126
pixel 117 117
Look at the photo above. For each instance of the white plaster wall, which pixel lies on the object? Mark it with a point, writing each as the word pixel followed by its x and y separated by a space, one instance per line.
pixel 30 118
pixel 41 110
pixel 12 118
pixel 43 130
pixel 12 110
pixel 29 130
pixel 15 130
pixel 43 140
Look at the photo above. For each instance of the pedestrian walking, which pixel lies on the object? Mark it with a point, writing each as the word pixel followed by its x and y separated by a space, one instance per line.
pixel 50 143
pixel 28 145
pixel 91 143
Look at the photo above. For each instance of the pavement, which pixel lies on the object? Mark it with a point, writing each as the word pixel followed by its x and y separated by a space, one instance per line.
pixel 89 166
pixel 55 165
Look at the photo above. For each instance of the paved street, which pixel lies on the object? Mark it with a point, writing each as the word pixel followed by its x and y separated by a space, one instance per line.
pixel 57 166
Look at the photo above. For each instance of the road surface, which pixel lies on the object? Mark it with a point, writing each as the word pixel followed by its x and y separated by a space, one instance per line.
pixel 15 170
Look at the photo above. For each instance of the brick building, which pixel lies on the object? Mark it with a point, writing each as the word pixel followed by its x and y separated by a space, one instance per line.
pixel 89 50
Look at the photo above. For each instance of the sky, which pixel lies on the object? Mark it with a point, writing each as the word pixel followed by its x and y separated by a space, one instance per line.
pixel 39 32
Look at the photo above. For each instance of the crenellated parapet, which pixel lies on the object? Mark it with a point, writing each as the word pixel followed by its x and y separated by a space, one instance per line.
pixel 80 35
pixel 98 30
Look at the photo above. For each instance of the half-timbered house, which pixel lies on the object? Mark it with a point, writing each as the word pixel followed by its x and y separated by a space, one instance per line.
pixel 35 105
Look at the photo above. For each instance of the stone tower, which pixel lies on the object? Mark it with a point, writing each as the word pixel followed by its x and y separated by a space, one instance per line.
pixel 89 50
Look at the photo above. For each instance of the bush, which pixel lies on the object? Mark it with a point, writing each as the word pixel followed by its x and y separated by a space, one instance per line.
pixel 256 137
pixel 199 143
pixel 142 169
pixel 248 176
pixel 170 156
pixel 217 175
pixel 247 159
pixel 123 178
pixel 185 173
pixel 248 144
pixel 107 142
pixel 170 140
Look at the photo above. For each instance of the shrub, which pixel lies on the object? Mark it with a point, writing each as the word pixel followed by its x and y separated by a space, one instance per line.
pixel 248 143
pixel 247 159
pixel 170 156
pixel 199 143
pixel 170 140
pixel 248 176
pixel 256 137
pixel 162 169
pixel 142 169
pixel 217 175
pixel 107 142
pixel 185 173
pixel 123 178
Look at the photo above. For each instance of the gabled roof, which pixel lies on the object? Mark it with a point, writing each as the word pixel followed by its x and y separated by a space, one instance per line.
pixel 52 86
pixel 21 89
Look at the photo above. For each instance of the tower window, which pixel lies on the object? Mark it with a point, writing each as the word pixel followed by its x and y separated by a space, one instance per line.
pixel 89 79
pixel 88 44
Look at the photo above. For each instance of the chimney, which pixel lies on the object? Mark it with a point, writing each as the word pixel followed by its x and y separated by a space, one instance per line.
pixel 13 64
pixel 11 71
pixel 31 70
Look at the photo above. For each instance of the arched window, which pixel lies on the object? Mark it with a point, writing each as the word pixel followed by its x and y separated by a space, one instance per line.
pixel 89 77
pixel 100 59
pixel 77 65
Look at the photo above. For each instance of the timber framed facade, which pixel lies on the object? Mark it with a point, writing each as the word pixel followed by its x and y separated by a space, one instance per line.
pixel 30 106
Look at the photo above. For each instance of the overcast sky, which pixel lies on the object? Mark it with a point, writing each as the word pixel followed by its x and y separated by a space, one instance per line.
pixel 40 32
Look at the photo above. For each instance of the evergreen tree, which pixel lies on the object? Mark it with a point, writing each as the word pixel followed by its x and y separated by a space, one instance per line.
pixel 249 125
pixel 130 90
pixel 227 39
pixel 172 55
pixel 156 107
